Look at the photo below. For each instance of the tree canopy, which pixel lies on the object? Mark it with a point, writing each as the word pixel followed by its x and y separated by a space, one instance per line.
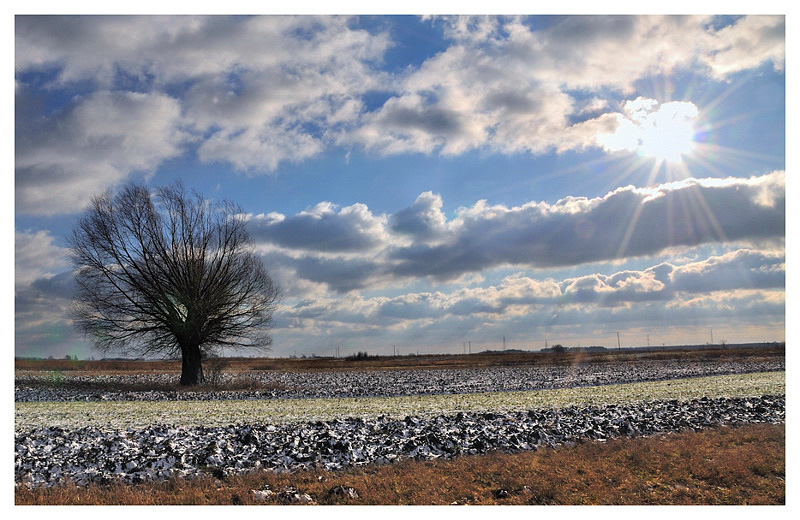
pixel 170 273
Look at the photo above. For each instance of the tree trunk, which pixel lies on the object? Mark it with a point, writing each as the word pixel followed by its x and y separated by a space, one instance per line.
pixel 191 366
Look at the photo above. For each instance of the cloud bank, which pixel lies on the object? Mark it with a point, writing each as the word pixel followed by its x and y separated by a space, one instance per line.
pixel 351 248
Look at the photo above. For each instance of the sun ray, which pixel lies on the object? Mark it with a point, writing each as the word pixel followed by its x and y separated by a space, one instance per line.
pixel 707 214
pixel 634 220
pixel 714 157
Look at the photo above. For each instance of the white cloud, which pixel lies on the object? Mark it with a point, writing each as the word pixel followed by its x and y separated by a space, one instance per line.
pixel 36 256
pixel 588 52
pixel 259 148
pixel 176 48
pixel 748 43
pixel 260 113
pixel 63 160
pixel 423 220
pixel 259 91
pixel 470 29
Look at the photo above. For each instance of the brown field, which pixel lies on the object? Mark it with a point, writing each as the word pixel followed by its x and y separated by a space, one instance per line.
pixel 243 365
pixel 743 465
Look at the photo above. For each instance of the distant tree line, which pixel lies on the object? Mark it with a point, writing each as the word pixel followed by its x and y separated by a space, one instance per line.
pixel 561 348
pixel 359 356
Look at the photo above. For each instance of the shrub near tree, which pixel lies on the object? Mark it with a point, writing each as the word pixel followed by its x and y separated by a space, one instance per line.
pixel 169 273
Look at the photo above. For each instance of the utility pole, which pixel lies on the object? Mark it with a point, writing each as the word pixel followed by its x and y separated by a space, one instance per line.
pixel 712 335
pixel 504 341
pixel 470 346
pixel 618 344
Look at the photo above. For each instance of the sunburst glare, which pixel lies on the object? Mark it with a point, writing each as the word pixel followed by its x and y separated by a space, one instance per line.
pixel 668 134
pixel 664 133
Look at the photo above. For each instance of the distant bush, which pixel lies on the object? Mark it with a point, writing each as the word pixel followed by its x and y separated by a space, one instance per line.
pixel 215 367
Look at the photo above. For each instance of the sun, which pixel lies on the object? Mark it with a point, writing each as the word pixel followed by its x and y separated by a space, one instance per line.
pixel 668 134
pixel 662 132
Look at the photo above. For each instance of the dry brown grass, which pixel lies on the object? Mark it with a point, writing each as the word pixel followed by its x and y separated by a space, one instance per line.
pixel 744 465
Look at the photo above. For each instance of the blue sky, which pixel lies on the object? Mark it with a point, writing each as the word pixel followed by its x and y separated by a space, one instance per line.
pixel 423 182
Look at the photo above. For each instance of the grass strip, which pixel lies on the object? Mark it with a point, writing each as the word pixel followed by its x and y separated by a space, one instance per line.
pixel 138 414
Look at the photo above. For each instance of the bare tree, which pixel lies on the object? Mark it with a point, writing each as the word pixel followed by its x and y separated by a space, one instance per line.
pixel 169 273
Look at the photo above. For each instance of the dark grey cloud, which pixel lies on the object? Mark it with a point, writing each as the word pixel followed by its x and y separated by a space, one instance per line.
pixel 513 101
pixel 351 249
pixel 61 286
pixel 340 275
pixel 528 310
pixel 470 306
pixel 306 309
pixel 411 307
pixel 48 295
pixel 42 323
pixel 659 294
pixel 742 269
pixel 321 229
pixel 626 223
pixel 569 33
pixel 429 119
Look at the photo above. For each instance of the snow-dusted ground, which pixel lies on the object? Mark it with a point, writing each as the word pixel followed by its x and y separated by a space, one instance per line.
pixel 48 455
pixel 396 382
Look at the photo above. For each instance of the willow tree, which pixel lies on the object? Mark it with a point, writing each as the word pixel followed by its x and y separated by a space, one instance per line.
pixel 165 272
